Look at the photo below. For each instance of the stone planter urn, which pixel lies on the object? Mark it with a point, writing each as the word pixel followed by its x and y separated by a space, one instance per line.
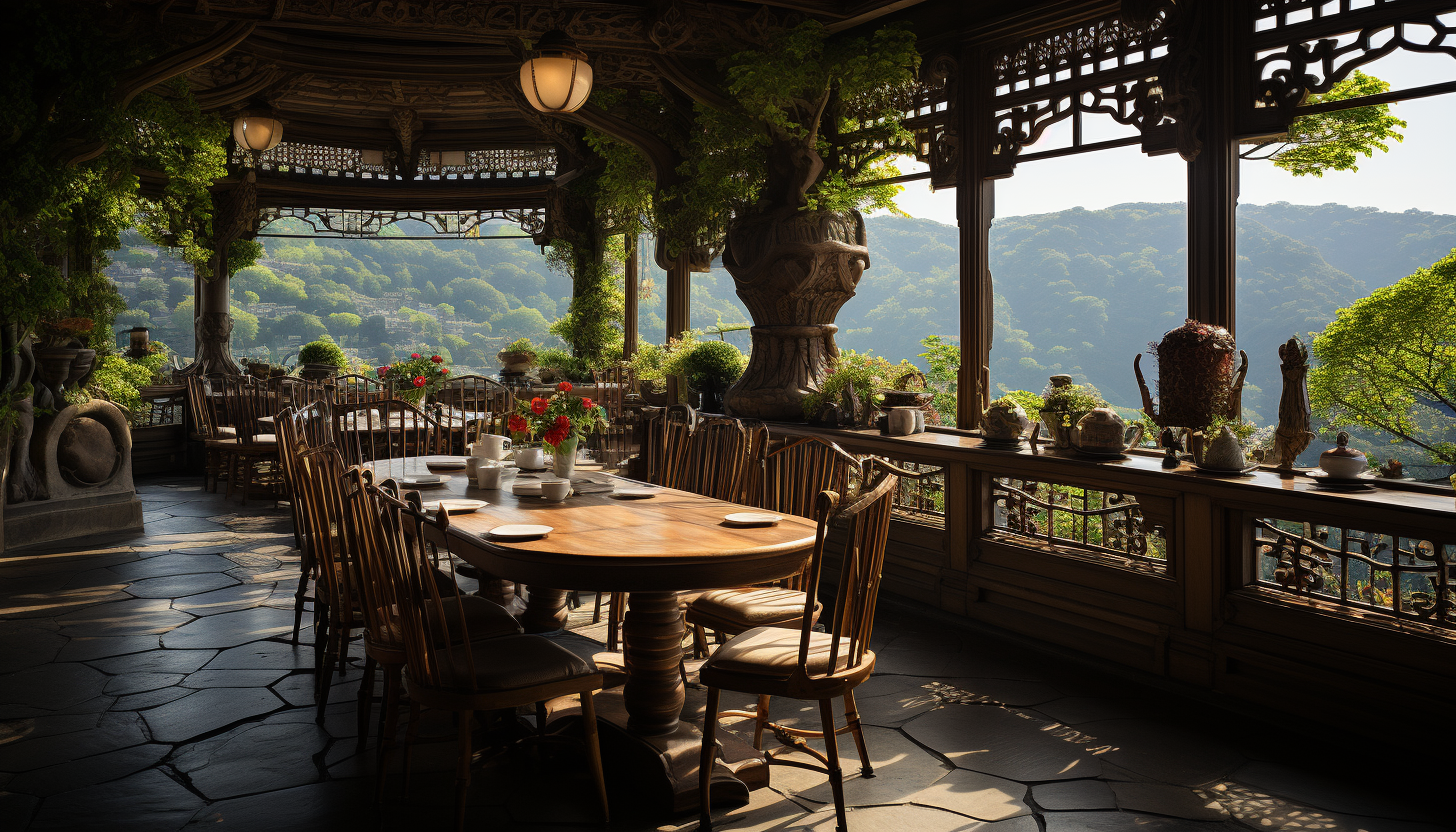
pixel 52 370
pixel 318 372
pixel 81 367
pixel 793 270
pixel 516 362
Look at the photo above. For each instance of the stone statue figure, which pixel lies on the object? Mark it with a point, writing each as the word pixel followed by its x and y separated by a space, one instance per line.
pixel 1292 435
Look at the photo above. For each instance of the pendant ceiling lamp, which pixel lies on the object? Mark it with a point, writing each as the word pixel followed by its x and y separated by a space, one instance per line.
pixel 256 133
pixel 557 77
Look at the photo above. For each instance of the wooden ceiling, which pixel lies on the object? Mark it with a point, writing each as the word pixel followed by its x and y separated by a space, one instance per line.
pixel 349 73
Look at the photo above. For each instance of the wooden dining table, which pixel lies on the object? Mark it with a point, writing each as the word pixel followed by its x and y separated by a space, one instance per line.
pixel 648 547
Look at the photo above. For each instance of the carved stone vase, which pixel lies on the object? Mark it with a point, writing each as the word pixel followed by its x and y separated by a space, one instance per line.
pixel 794 270
pixel 52 370
pixel 81 368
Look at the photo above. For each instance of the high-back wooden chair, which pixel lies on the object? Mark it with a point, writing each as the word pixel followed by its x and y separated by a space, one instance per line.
pixel 473 404
pixel 297 393
pixel 386 429
pixel 252 451
pixel 668 433
pixel 352 387
pixel 446 667
pixel 615 445
pixel 302 429
pixel 790 479
pixel 207 418
pixel 803 663
pixel 716 461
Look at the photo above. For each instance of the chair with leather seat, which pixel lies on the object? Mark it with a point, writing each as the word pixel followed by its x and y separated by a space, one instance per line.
pixel 380 603
pixel 802 663
pixel 446 667
pixel 789 480
pixel 252 451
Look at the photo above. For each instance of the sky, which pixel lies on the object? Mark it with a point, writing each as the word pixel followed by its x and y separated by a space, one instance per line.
pixel 1416 173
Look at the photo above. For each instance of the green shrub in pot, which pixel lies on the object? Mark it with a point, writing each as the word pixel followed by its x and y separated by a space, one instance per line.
pixel 710 367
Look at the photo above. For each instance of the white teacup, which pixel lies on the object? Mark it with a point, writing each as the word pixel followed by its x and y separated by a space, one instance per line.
pixel 556 490
pixel 530 458
pixel 488 476
pixel 490 446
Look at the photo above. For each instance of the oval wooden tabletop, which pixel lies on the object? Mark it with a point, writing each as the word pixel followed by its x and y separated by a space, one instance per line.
pixel 675 540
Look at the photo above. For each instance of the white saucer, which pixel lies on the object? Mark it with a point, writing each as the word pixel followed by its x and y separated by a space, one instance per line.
pixel 635 493
pixel 752 518
pixel 455 506
pixel 448 463
pixel 425 481
pixel 519 532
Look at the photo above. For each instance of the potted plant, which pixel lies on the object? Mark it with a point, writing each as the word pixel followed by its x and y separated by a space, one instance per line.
pixel 560 421
pixel 321 359
pixel 519 356
pixel 416 378
pixel 647 366
pixel 1063 403
pixel 849 393
pixel 710 366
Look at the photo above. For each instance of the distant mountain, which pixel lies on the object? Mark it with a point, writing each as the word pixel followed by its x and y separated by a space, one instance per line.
pixel 1077 291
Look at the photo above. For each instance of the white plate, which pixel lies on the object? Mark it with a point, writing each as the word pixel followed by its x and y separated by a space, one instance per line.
pixel 447 463
pixel 519 532
pixel 425 481
pixel 456 506
pixel 635 493
pixel 752 518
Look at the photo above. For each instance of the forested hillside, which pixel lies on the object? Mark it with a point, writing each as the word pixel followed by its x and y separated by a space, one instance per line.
pixel 1076 291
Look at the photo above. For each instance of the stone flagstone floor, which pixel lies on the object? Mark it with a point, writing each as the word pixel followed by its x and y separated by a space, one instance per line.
pixel 149 683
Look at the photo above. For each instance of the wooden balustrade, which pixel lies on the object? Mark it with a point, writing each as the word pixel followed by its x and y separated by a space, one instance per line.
pixel 1298 600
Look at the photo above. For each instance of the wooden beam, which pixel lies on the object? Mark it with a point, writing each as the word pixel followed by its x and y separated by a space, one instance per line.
pixel 1213 175
pixel 174 63
pixel 975 208
pixel 237 92
pixel 657 152
pixel 629 287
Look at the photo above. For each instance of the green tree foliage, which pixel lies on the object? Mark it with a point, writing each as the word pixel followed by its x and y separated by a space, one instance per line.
pixel 1335 140
pixel 343 325
pixel 1388 363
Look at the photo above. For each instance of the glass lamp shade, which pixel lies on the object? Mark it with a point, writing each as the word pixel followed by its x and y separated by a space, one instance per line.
pixel 257 133
pixel 557 79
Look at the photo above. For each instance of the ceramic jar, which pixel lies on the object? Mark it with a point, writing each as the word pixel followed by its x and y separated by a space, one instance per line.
pixel 1225 452
pixel 1100 431
pixel 1343 461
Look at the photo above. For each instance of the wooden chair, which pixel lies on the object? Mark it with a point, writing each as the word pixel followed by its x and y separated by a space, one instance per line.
pixel 790 479
pixel 252 453
pixel 352 387
pixel 615 445
pixel 386 429
pixel 297 393
pixel 822 666
pixel 474 404
pixel 299 430
pixel 380 602
pixel 207 415
pixel 447 668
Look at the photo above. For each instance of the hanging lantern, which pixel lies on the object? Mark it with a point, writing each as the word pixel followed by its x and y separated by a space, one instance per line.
pixel 256 133
pixel 557 79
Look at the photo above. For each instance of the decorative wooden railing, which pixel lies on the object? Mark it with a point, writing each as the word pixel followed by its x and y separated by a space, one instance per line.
pixel 1272 590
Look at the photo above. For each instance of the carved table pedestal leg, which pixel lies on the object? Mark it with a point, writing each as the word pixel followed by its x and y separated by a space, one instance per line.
pixel 545 610
pixel 653 632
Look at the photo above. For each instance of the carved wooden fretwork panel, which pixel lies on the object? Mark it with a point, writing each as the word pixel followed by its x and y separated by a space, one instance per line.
pixel 1108 67
pixel 499 163
pixel 1108 526
pixel 1303 47
pixel 932 114
pixel 1367 573
pixel 350 223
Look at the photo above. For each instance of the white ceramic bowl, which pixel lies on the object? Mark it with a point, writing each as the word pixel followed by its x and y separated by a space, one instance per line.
pixel 1344 467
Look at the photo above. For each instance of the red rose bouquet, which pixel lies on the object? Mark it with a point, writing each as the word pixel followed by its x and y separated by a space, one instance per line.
pixel 560 419
pixel 417 377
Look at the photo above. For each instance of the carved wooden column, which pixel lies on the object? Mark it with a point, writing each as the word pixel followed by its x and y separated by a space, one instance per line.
pixel 1212 36
pixel 679 296
pixel 629 288
pixel 975 208
pixel 235 216
pixel 794 270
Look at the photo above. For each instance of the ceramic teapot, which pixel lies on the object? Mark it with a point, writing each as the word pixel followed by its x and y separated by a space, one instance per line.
pixel 1004 422
pixel 1342 461
pixel 1101 432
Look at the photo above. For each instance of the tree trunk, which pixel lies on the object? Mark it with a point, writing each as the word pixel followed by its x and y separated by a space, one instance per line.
pixel 794 270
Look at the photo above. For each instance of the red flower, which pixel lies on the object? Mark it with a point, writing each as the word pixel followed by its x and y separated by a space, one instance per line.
pixel 556 435
pixel 414 355
pixel 564 387
pixel 588 403
pixel 419 381
pixel 383 370
pixel 538 405
pixel 517 423
pixel 444 371
pixel 563 421
pixel 437 359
